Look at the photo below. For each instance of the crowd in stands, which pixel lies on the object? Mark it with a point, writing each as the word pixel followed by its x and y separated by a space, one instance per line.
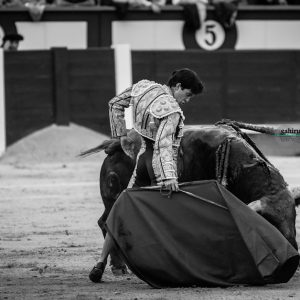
pixel 194 10
pixel 155 5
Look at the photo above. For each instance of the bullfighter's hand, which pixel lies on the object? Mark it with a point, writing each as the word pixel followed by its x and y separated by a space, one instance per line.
pixel 127 145
pixel 171 184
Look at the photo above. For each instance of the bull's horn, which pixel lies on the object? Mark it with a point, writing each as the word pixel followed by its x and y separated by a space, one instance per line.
pixel 109 146
pixel 296 194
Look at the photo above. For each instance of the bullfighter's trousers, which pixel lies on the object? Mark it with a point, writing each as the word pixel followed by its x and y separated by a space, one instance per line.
pixel 143 174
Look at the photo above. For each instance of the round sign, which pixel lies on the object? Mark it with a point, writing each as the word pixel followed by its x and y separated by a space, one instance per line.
pixel 211 36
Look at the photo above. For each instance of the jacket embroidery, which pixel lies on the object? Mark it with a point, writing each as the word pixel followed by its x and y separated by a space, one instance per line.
pixel 158 117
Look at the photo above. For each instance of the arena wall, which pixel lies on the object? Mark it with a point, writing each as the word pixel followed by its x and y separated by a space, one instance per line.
pixel 57 86
pixel 252 86
pixel 62 86
pixel 2 106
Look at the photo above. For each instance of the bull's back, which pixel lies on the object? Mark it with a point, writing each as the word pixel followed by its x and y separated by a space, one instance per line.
pixel 243 169
pixel 197 158
pixel 212 135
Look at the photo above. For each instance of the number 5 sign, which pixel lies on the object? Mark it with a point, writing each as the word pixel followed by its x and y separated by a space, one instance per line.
pixel 211 36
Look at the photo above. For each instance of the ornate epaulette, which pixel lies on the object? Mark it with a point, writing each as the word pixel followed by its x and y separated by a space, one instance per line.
pixel 164 106
pixel 140 87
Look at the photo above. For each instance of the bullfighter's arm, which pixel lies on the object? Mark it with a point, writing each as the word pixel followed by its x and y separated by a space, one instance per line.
pixel 176 143
pixel 117 106
pixel 163 157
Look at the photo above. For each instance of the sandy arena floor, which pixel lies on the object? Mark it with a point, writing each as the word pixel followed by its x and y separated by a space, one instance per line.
pixel 49 238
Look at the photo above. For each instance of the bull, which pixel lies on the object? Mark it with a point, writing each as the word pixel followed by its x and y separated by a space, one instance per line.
pixel 221 152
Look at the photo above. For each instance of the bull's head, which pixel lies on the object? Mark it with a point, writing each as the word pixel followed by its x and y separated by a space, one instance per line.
pixel 279 210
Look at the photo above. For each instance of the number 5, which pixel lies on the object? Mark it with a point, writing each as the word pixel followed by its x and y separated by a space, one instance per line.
pixel 209 32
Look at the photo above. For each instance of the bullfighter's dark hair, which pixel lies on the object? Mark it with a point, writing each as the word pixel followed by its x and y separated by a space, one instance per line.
pixel 188 79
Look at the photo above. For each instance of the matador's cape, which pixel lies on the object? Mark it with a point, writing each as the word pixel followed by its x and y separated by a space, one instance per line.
pixel 202 236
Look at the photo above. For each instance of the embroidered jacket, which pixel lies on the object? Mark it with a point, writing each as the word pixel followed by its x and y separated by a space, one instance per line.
pixel 156 116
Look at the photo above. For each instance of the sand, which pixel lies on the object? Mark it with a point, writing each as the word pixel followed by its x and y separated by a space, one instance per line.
pixel 49 237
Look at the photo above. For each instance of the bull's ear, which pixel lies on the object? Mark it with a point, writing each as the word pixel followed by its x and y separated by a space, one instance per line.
pixel 296 194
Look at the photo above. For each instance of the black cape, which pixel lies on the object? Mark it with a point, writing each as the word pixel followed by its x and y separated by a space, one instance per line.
pixel 201 236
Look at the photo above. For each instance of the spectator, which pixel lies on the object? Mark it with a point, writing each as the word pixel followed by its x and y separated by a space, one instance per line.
pixel 194 12
pixel 76 2
pixel 267 2
pixel 122 6
pixel 11 3
pixel 226 11
pixel 154 5
pixel 10 42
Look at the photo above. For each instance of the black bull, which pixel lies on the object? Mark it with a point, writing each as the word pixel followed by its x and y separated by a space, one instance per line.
pixel 213 152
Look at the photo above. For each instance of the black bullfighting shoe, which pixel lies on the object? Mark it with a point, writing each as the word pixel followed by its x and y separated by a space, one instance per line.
pixel 97 272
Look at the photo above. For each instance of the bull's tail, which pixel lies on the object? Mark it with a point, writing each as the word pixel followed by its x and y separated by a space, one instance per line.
pixel 109 147
pixel 296 194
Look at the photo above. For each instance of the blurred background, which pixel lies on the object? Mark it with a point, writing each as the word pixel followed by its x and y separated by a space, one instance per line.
pixel 66 69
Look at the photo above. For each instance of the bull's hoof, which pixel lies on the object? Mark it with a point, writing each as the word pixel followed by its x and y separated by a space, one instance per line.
pixel 97 272
pixel 119 271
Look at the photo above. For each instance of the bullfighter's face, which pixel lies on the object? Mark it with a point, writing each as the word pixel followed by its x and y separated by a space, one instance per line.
pixel 181 95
